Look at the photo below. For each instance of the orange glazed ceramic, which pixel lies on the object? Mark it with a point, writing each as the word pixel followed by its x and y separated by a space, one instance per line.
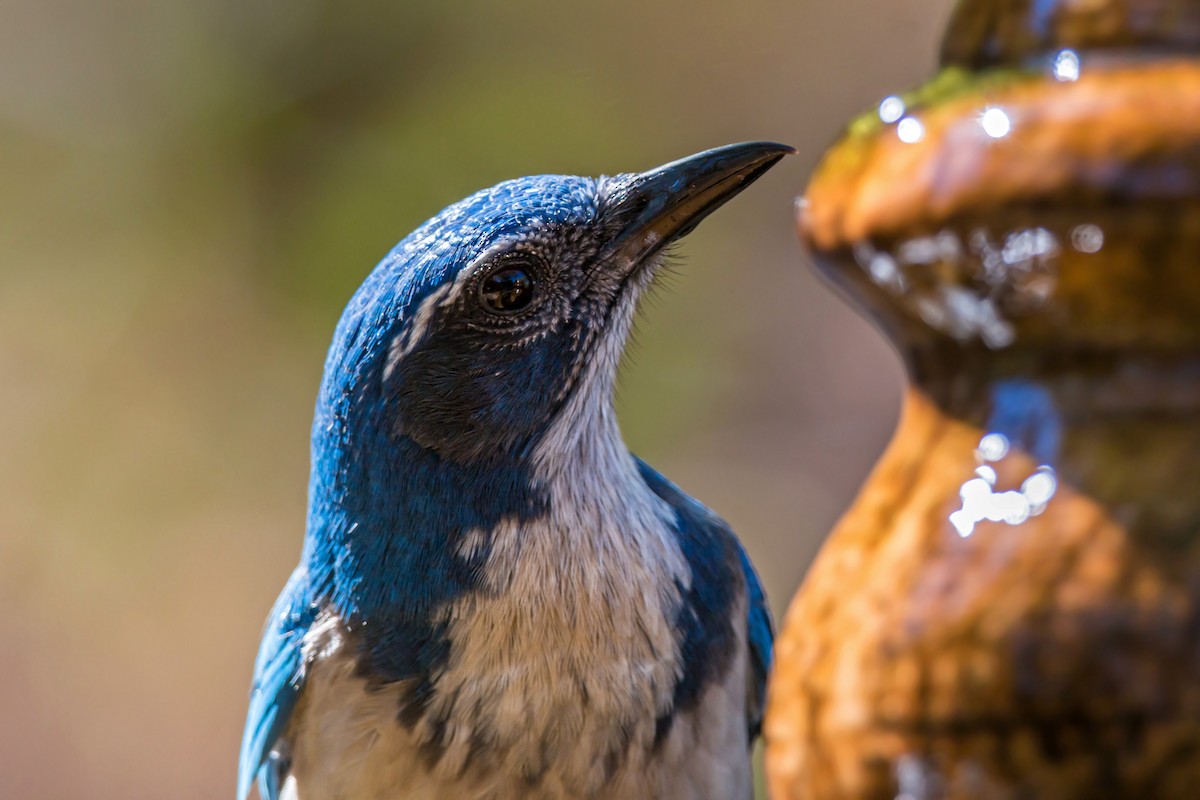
pixel 1011 608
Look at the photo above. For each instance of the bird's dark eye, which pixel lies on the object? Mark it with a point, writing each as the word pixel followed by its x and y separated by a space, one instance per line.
pixel 507 290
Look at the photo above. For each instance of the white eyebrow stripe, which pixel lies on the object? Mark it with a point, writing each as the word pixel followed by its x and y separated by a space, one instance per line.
pixel 411 336
pixel 444 296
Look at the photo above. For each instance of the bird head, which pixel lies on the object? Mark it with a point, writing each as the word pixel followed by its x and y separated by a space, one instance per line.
pixel 505 316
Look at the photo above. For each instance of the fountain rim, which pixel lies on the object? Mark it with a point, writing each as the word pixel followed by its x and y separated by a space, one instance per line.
pixel 1069 137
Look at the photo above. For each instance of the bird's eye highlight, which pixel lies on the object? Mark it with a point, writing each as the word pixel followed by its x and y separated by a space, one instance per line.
pixel 506 290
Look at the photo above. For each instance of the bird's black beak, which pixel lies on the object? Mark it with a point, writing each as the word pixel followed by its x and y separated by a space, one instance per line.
pixel 664 204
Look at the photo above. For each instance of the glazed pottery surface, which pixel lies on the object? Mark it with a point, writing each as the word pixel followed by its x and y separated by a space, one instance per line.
pixel 1011 608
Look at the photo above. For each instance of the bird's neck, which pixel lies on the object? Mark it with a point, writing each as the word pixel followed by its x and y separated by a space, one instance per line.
pixel 394 525
pixel 387 516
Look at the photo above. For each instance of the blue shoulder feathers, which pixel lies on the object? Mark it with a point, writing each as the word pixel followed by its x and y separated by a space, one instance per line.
pixel 278 676
pixel 720 569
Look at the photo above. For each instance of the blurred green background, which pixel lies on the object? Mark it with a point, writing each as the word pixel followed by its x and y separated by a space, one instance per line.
pixel 191 190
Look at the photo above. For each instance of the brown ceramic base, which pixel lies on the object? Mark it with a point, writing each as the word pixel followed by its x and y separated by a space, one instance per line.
pixel 1054 658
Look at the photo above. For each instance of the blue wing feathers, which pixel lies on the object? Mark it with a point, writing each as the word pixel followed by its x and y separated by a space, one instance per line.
pixel 718 562
pixel 278 676
pixel 761 632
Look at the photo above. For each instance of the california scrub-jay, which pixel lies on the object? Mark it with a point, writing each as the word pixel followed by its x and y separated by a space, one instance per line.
pixel 495 599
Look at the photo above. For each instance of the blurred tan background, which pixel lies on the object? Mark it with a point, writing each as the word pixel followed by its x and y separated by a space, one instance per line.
pixel 190 192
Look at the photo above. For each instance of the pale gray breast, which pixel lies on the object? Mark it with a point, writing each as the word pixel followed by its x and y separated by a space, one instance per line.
pixel 346 741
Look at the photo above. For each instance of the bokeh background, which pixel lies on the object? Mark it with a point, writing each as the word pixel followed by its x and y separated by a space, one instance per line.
pixel 189 192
